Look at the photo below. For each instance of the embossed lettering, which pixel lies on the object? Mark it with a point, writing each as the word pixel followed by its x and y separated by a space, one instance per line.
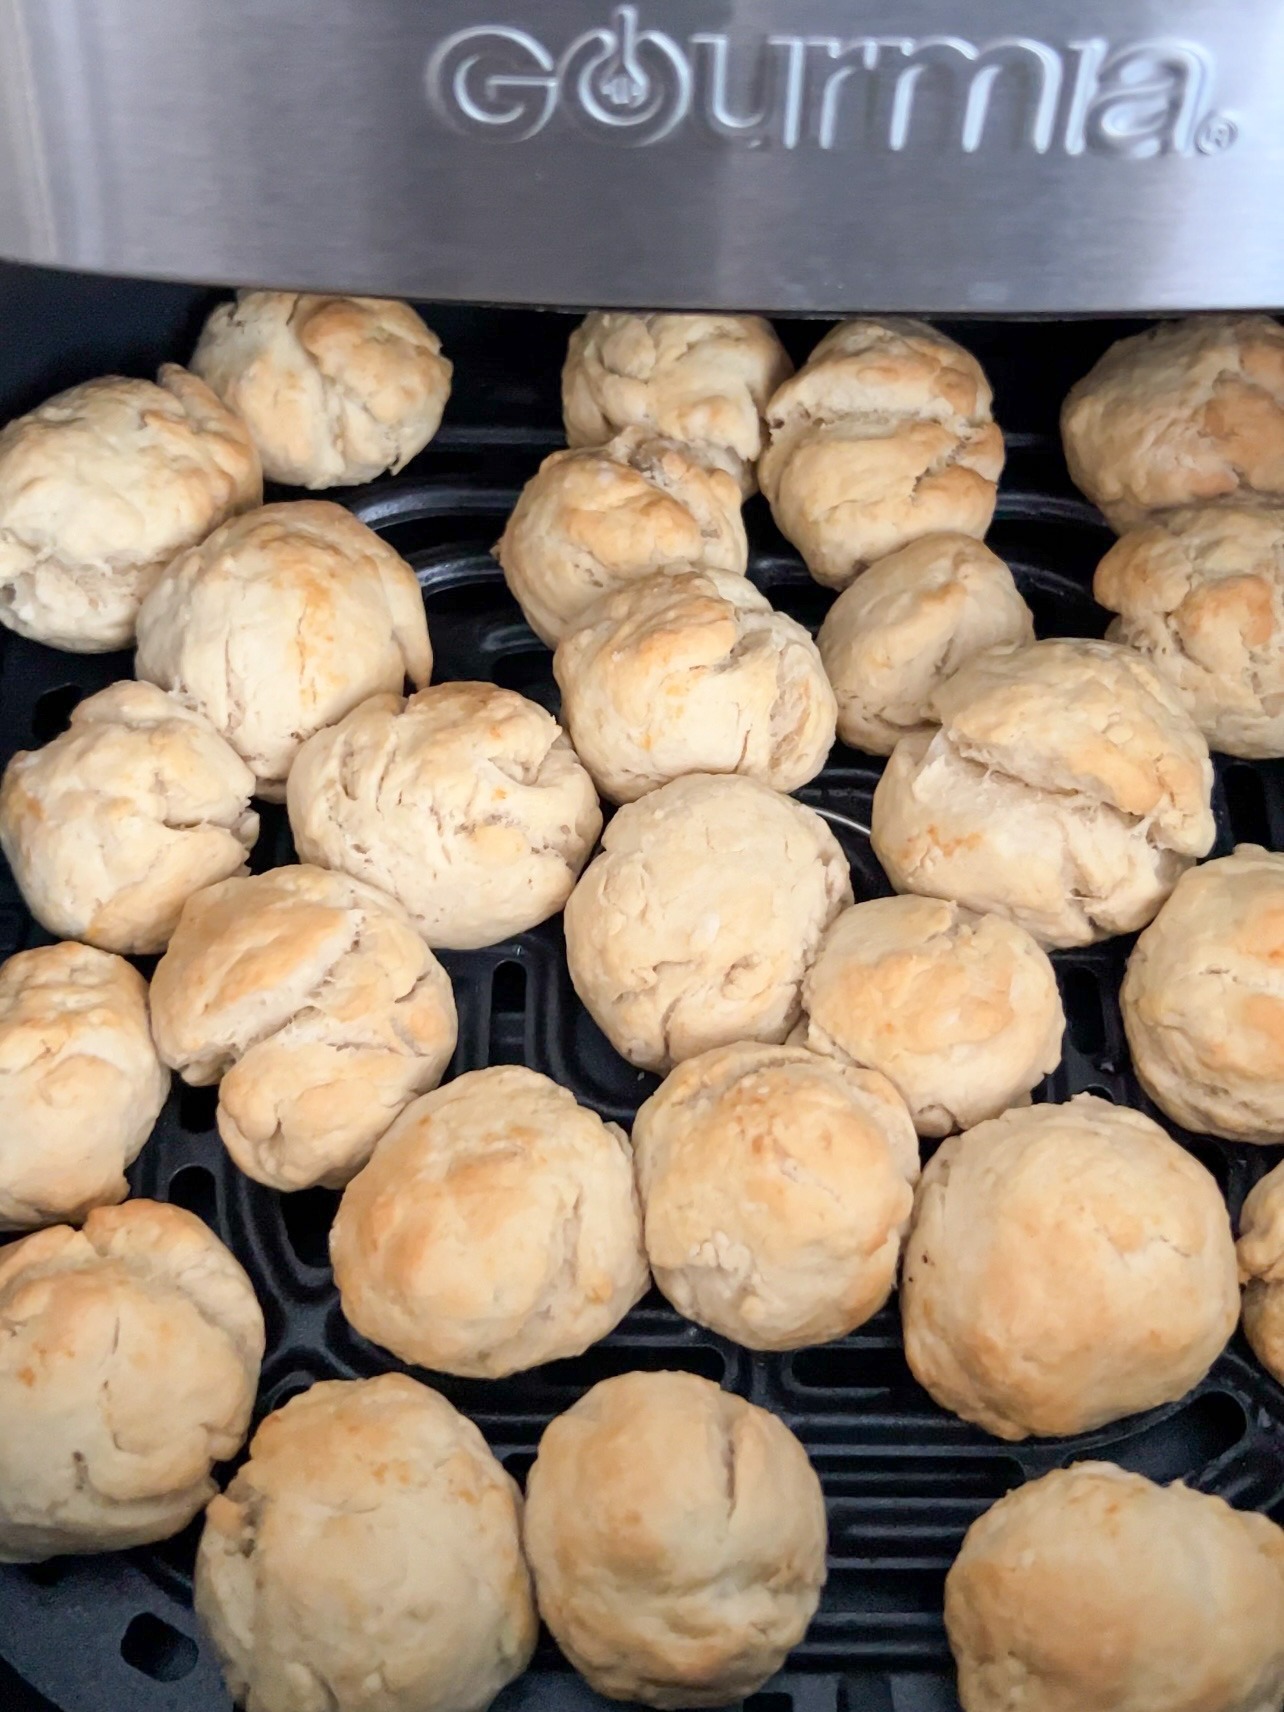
pixel 497 80
pixel 986 66
pixel 623 80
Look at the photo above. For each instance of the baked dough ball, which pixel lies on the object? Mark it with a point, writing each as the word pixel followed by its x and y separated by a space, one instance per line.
pixel 110 828
pixel 695 925
pixel 1203 999
pixel 495 1228
pixel 1067 1265
pixel 693 672
pixel 367 1558
pixel 80 1082
pixel 466 803
pixel 595 520
pixel 1261 1270
pixel 334 390
pixel 776 1190
pixel 280 623
pixel 314 1003
pixel 959 1011
pixel 1066 789
pixel 702 379
pixel 127 1370
pixel 1202 597
pixel 677 1537
pixel 885 434
pixel 1184 414
pixel 1093 1588
pixel 890 641
pixel 99 488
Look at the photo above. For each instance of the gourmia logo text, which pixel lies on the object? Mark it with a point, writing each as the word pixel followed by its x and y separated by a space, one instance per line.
pixel 626 84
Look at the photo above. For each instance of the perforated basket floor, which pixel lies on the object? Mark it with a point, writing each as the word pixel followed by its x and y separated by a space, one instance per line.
pixel 903 1480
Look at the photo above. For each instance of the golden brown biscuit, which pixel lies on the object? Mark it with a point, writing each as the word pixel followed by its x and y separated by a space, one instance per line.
pixel 334 390
pixel 884 434
pixel 1261 1270
pixel 594 520
pixel 776 1189
pixel 127 1370
pixel 677 1538
pixel 80 1082
pixel 99 488
pixel 110 828
pixel 367 1558
pixel 1094 1589
pixel 693 672
pixel 1067 1265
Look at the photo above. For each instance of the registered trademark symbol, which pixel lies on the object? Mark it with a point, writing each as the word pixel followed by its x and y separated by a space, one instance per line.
pixel 1216 133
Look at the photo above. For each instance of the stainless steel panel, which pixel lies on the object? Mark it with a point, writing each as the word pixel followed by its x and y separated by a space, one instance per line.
pixel 1055 155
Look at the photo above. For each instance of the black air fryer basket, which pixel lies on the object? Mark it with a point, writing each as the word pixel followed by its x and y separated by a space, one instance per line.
pixel 903 1479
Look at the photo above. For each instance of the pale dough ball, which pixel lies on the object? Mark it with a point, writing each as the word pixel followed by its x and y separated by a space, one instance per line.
pixel 1201 595
pixel 496 1227
pixel 596 519
pixel 776 1189
pixel 908 623
pixel 313 1002
pixel 367 1558
pixel 127 1370
pixel 1203 999
pixel 959 1011
pixel 1067 1265
pixel 1261 1270
pixel 334 390
pixel 1091 1588
pixel 1187 413
pixel 701 379
pixel 80 1083
pixel 110 828
pixel 466 803
pixel 1067 789
pixel 884 434
pixel 677 1537
pixel 696 924
pixel 99 488
pixel 280 623
pixel 693 672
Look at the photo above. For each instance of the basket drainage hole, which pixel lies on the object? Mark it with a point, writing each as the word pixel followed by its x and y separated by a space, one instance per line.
pixel 157 1649
pixel 1085 1018
pixel 52 713
pixel 769 1703
pixel 1246 806
pixel 307 1215
pixel 197 1108
pixel 193 1188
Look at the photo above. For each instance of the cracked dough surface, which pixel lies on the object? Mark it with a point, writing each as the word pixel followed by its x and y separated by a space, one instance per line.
pixel 128 1367
pixel 1261 1270
pixel 1201 595
pixel 597 519
pixel 99 488
pixel 1203 999
pixel 317 1007
pixel 693 673
pixel 1188 413
pixel 694 926
pixel 677 1537
pixel 1093 1587
pixel 701 379
pixel 908 623
pixel 883 435
pixel 80 1082
pixel 110 828
pixel 1067 1265
pixel 367 1558
pixel 1067 789
pixel 280 623
pixel 496 1227
pixel 776 1189
pixel 959 1011
pixel 334 390
pixel 466 803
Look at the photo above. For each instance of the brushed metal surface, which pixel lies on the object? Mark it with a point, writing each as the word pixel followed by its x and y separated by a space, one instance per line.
pixel 1012 156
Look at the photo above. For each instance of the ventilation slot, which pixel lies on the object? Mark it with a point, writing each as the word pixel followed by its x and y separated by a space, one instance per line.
pixel 507 1036
pixel 157 1649
pixel 193 1188
pixel 196 1109
pixel 1085 1018
pixel 307 1216
pixel 1246 806
pixel 52 713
